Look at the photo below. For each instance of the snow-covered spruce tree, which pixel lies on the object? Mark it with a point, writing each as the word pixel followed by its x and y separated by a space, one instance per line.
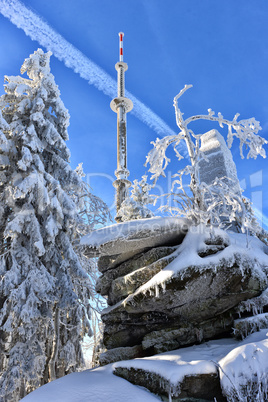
pixel 44 288
pixel 135 206
pixel 207 203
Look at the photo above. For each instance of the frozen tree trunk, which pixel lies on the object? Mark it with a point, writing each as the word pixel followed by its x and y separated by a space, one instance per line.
pixel 55 346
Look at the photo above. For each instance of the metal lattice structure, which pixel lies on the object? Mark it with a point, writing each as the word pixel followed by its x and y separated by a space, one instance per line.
pixel 121 105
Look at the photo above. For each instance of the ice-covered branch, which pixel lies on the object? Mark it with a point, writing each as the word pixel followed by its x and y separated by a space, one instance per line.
pixel 210 204
pixel 245 130
pixel 178 113
pixel 157 156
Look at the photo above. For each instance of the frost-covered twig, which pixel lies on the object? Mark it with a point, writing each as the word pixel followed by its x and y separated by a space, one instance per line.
pixel 234 388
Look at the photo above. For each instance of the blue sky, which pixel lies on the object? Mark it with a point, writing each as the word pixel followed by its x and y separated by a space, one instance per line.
pixel 218 46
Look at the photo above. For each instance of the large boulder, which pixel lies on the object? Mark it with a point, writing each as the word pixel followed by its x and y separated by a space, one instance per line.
pixel 169 285
pixel 190 299
pixel 197 387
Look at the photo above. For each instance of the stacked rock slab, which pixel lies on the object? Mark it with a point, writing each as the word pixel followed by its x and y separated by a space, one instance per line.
pixel 130 254
pixel 194 305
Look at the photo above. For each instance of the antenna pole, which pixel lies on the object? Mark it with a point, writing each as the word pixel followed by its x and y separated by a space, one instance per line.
pixel 121 106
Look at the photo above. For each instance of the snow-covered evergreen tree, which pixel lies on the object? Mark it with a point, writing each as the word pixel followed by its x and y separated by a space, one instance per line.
pixel 45 287
pixel 135 206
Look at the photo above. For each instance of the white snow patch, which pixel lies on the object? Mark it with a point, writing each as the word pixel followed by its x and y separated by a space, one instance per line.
pixel 238 361
pixel 244 371
pixel 96 385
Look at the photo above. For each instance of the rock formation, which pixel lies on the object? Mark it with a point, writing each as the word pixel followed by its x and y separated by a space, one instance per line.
pixel 170 285
pixel 185 289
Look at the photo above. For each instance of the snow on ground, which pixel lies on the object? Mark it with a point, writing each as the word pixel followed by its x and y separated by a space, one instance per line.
pixel 201 359
pixel 96 385
pixel 239 360
pixel 244 371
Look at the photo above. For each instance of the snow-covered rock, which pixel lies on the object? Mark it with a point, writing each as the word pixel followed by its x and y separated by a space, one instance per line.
pixel 246 326
pixel 189 300
pixel 124 279
pixel 225 364
pixel 133 235
pixel 202 372
pixel 186 295
pixel 243 372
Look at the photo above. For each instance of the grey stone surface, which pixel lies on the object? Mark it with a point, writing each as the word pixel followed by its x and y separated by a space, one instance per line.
pixel 118 354
pixel 244 327
pixel 126 285
pixel 107 262
pixel 186 334
pixel 193 296
pixel 192 388
pixel 255 305
pixel 140 260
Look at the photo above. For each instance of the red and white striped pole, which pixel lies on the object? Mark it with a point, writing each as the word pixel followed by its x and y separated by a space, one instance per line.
pixel 121 34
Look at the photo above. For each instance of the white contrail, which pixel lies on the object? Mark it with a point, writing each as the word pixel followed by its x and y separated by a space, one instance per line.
pixel 37 29
pixel 263 219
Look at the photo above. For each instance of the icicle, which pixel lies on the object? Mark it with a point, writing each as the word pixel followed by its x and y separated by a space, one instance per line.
pixel 156 291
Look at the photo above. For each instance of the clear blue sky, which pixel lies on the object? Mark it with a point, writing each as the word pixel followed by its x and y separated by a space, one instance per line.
pixel 218 46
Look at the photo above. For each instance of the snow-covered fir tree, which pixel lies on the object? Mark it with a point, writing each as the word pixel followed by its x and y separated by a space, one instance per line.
pixel 135 206
pixel 45 286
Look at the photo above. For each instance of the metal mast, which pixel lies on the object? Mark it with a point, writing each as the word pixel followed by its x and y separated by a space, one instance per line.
pixel 121 106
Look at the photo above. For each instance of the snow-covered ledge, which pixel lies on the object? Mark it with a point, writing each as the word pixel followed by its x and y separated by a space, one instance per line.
pixel 134 235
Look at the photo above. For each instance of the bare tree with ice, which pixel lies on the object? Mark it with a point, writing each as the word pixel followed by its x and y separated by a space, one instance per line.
pixel 208 203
